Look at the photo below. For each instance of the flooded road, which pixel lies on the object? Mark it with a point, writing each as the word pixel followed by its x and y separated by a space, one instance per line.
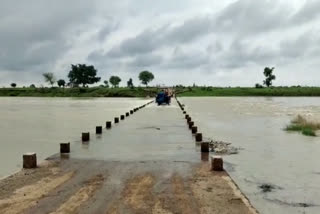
pixel 40 124
pixel 287 161
pixel 148 163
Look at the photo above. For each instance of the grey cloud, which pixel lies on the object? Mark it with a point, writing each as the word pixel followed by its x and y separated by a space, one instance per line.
pixel 146 60
pixel 107 29
pixel 307 13
pixel 152 39
pixel 37 36
pixel 33 34
pixel 187 60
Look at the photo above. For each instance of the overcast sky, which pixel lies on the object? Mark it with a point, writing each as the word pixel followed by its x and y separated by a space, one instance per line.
pixel 222 43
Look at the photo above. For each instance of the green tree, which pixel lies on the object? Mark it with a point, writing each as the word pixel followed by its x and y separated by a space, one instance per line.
pixel 258 85
pixel 145 77
pixel 83 74
pixel 106 83
pixel 32 86
pixel 130 83
pixel 61 82
pixel 49 77
pixel 268 73
pixel 115 80
pixel 13 85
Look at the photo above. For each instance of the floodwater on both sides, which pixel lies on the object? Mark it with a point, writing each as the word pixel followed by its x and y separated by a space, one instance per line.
pixel 287 161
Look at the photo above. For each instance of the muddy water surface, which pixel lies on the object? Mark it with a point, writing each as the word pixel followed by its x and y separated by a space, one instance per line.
pixel 40 124
pixel 289 162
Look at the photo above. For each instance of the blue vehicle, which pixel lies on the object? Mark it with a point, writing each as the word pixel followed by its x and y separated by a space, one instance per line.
pixel 163 98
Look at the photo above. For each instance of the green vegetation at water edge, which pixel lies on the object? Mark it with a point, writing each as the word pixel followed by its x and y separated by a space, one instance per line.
pixel 239 91
pixel 301 124
pixel 79 92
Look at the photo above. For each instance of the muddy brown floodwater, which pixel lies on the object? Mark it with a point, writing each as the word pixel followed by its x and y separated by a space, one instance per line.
pixel 277 170
pixel 149 163
pixel 40 124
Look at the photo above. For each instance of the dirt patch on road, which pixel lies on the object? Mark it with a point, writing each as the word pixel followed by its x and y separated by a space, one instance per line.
pixel 216 193
pixel 72 205
pixel 28 196
pixel 27 177
pixel 137 195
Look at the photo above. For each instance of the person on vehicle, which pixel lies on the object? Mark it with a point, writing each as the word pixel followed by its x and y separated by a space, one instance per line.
pixel 163 97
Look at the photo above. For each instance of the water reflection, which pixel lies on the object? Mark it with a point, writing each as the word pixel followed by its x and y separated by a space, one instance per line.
pixel 205 156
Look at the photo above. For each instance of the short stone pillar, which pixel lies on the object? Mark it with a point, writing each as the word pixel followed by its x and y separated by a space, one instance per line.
pixel 64 147
pixel 182 108
pixel 189 119
pixel 116 120
pixel 131 111
pixel 122 117
pixel 108 124
pixel 204 147
pixel 199 137
pixel 184 112
pixel 127 114
pixel 216 163
pixel 99 130
pixel 134 109
pixel 187 115
pixel 29 160
pixel 85 136
pixel 191 123
pixel 194 130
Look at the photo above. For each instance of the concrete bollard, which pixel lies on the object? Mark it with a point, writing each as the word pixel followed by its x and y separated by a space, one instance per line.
pixel 131 111
pixel 127 114
pixel 116 120
pixel 108 124
pixel 187 115
pixel 198 137
pixel 64 147
pixel 29 160
pixel 191 123
pixel 184 112
pixel 204 147
pixel 182 108
pixel 122 117
pixel 85 136
pixel 216 163
pixel 194 130
pixel 189 119
pixel 99 130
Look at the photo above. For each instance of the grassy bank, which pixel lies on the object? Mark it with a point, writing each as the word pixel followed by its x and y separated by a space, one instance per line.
pixel 78 92
pixel 276 91
pixel 301 124
pixel 143 92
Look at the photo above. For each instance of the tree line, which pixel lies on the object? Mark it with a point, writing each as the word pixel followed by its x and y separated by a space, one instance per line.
pixel 84 75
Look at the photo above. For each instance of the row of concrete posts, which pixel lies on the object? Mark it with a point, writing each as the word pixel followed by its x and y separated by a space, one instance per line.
pixel 30 159
pixel 216 161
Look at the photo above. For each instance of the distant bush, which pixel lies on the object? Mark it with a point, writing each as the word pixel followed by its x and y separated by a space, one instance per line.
pixel 258 85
